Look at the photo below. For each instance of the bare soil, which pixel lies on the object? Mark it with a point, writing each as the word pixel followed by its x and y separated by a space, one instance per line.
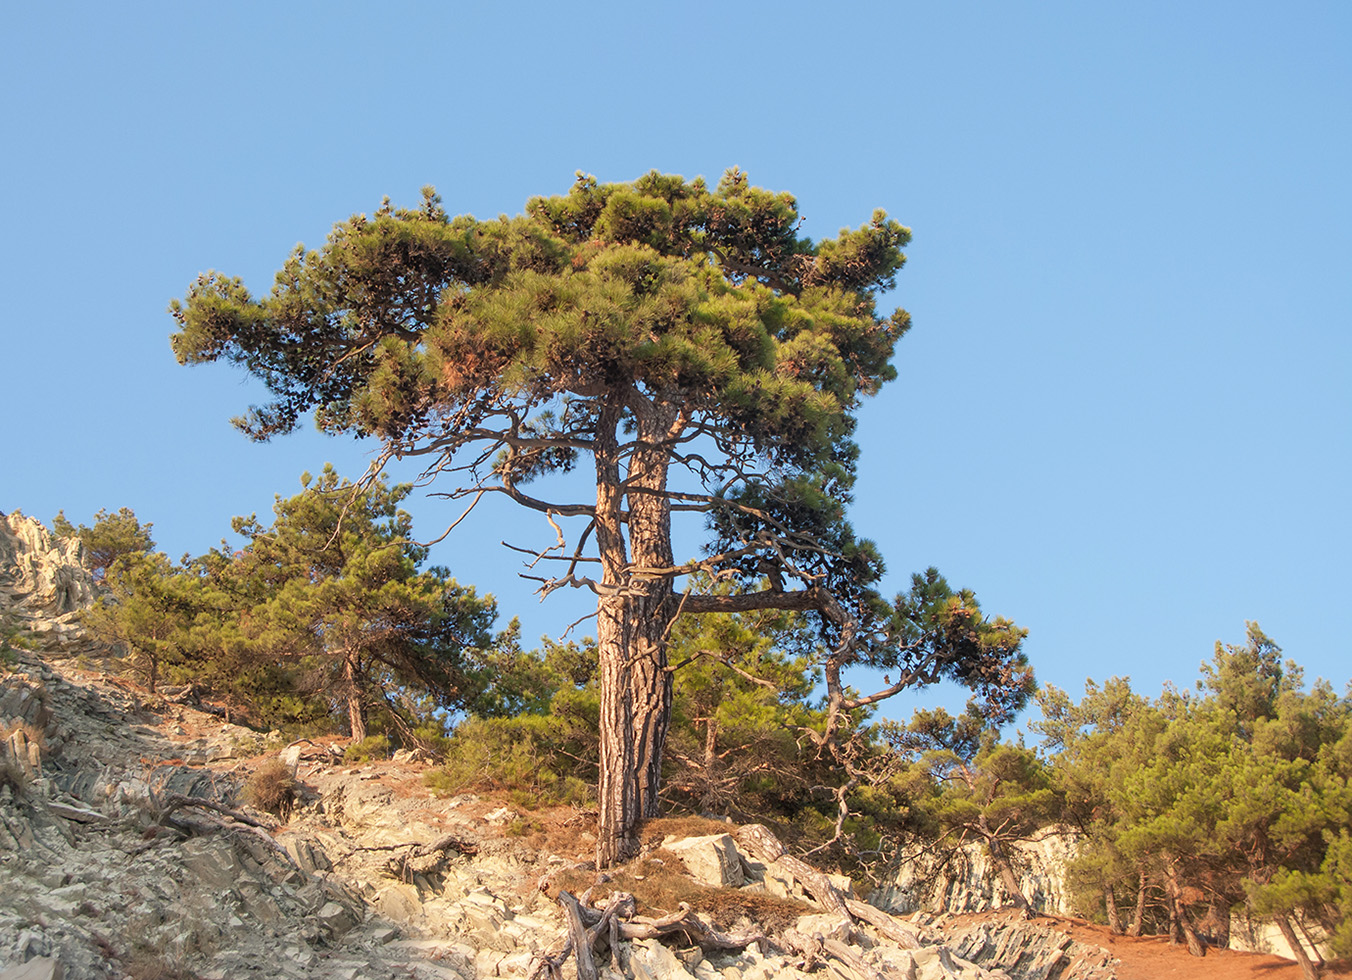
pixel 1153 958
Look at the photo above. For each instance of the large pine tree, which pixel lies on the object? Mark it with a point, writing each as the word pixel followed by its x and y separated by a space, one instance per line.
pixel 704 357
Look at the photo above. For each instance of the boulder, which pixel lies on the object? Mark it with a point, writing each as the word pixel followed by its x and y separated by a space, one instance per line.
pixel 336 918
pixel 399 903
pixel 713 860
pixel 650 960
pixel 308 855
pixel 290 756
pixel 825 925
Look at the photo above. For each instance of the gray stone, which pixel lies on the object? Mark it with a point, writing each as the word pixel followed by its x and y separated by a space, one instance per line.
pixel 515 964
pixel 290 756
pixel 713 860
pixel 384 934
pixel 45 574
pixel 79 814
pixel 336 918
pixel 38 968
pixel 781 883
pixel 650 960
pixel 825 926
pixel 486 961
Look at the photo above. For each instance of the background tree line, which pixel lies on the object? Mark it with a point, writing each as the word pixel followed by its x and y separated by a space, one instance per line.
pixel 1232 798
pixel 323 620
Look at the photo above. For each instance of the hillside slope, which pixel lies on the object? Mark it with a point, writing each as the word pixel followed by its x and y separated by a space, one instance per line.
pixel 126 850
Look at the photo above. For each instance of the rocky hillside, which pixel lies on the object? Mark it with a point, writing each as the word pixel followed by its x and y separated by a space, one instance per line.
pixel 127 850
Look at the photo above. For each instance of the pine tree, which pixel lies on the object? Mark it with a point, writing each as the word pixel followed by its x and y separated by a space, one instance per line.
pixel 705 358
pixel 146 611
pixel 111 537
pixel 1235 794
pixel 976 786
pixel 334 581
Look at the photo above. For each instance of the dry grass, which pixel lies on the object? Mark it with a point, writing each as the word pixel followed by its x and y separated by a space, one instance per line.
pixel 12 774
pixel 653 832
pixel 272 788
pixel 728 908
pixel 31 732
pixel 659 884
pixel 148 965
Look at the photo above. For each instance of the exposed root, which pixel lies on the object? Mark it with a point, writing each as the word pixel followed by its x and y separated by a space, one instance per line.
pixel 424 859
pixel 589 925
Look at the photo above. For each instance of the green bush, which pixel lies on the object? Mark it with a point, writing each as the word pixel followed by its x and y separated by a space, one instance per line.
pixel 371 747
pixel 535 758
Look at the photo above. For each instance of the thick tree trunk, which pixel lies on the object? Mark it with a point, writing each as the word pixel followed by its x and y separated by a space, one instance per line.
pixel 635 694
pixel 1308 969
pixel 634 615
pixel 356 709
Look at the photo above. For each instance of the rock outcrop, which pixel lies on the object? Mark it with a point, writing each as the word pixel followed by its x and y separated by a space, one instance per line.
pixel 42 579
pixel 964 880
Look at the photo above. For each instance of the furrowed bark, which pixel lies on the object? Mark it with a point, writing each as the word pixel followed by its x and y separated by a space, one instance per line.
pixel 633 616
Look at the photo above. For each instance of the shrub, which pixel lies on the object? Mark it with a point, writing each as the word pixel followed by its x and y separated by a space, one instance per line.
pixel 272 788
pixel 371 747
pixel 535 758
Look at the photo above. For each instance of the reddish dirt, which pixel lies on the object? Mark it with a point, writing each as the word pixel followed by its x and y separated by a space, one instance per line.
pixel 1152 958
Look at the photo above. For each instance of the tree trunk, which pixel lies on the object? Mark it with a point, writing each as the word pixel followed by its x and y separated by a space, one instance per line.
pixel 1218 914
pixel 635 692
pixel 1308 969
pixel 634 615
pixel 1007 876
pixel 1001 862
pixel 1138 917
pixel 356 709
pixel 1110 906
pixel 1180 915
pixel 1314 944
pixel 709 797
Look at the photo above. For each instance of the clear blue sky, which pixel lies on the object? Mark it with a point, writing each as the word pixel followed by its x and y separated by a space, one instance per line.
pixel 1122 416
